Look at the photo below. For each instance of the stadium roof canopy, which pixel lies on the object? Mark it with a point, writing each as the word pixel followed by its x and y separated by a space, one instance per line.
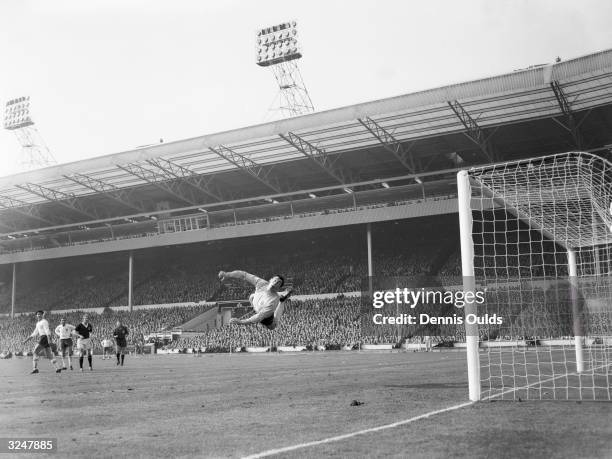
pixel 418 137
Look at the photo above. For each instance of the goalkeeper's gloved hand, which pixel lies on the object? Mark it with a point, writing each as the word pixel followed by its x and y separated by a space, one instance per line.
pixel 286 296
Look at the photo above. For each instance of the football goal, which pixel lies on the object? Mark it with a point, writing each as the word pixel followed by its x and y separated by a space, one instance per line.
pixel 536 237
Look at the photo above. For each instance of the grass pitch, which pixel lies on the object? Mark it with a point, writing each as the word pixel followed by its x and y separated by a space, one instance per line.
pixel 239 405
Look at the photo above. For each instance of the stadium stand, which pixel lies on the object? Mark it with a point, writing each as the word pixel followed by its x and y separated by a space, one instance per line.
pixel 324 262
pixel 317 262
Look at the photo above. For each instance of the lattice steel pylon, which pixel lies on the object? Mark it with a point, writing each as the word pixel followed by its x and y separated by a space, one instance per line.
pixel 293 98
pixel 277 48
pixel 34 151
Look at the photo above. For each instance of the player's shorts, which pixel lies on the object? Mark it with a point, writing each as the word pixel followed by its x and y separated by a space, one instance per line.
pixel 267 321
pixel 43 347
pixel 84 344
pixel 121 348
pixel 43 342
pixel 66 346
pixel 107 349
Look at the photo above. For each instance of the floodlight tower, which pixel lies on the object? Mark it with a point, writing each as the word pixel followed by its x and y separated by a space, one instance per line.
pixel 278 48
pixel 34 151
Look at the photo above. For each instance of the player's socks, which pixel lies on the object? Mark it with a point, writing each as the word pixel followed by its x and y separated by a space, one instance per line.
pixel 81 362
pixel 118 357
pixel 89 360
pixel 122 359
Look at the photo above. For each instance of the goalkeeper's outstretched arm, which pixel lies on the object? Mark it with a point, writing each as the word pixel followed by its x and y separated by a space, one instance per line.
pixel 240 275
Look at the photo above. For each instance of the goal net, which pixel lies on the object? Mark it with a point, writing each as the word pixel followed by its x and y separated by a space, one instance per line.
pixel 536 237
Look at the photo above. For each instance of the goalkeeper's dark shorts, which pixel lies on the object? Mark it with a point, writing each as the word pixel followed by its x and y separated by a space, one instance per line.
pixel 267 321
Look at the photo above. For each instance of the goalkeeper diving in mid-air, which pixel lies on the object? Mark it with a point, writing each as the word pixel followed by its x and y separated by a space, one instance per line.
pixel 267 301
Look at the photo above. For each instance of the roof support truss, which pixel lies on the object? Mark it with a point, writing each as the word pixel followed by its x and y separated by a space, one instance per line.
pixel 66 200
pixel 566 109
pixel 246 164
pixel 204 184
pixel 164 181
pixel 100 186
pixel 319 156
pixel 29 212
pixel 25 209
pixel 391 144
pixel 473 131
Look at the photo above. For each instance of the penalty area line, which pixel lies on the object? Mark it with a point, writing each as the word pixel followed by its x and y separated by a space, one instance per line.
pixel 286 449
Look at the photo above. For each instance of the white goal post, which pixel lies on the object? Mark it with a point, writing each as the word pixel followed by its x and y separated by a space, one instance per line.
pixel 536 237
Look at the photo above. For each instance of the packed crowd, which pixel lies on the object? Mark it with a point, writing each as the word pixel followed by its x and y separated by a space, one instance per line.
pixel 326 262
pixel 529 311
pixel 323 264
pixel 329 323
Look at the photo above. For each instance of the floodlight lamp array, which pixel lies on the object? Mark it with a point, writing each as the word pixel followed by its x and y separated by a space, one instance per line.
pixel 277 44
pixel 17 113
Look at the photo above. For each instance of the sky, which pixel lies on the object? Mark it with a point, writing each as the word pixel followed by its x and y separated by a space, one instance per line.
pixel 106 76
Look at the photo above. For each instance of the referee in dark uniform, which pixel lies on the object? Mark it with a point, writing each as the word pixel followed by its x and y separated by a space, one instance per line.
pixel 120 333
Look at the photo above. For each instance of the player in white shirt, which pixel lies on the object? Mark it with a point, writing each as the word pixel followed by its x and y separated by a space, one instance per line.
pixel 266 301
pixel 65 332
pixel 107 348
pixel 44 342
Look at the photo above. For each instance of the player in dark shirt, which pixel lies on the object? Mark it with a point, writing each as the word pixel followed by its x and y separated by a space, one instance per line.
pixel 120 333
pixel 84 345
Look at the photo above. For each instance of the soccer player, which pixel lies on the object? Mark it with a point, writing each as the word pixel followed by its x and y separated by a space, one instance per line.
pixel 266 301
pixel 44 342
pixel 84 346
pixel 107 346
pixel 64 331
pixel 119 334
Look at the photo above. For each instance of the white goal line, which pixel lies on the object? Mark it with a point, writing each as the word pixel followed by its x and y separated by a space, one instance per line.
pixel 286 449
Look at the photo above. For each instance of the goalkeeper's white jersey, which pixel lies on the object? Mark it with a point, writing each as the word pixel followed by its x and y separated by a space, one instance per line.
pixel 265 300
